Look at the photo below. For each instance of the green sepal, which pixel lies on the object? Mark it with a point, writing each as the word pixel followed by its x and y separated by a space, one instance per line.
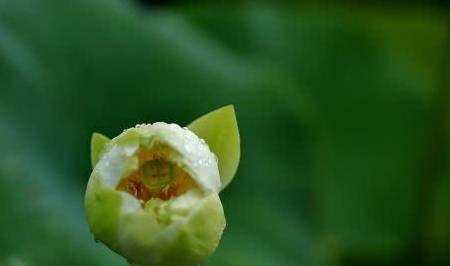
pixel 98 145
pixel 219 129
pixel 103 210
pixel 185 242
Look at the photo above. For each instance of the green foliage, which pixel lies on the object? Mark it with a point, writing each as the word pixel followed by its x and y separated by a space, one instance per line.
pixel 335 111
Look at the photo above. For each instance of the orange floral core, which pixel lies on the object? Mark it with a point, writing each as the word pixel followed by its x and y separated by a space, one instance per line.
pixel 156 177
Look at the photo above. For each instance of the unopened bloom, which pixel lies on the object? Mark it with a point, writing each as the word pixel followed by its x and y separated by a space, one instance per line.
pixel 153 194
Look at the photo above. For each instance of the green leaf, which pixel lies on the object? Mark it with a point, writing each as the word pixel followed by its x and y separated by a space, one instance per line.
pixel 98 145
pixel 220 130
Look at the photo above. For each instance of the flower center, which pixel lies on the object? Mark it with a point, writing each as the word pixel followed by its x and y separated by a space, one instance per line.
pixel 156 177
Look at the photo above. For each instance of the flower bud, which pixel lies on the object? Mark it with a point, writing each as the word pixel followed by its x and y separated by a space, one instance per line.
pixel 153 195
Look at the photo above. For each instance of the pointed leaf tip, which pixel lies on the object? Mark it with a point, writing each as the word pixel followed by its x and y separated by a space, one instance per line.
pixel 219 129
pixel 98 145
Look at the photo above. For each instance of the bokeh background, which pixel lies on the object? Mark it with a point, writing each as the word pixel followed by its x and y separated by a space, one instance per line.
pixel 343 109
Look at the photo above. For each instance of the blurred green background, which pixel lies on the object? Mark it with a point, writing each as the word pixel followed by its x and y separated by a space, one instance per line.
pixel 343 108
